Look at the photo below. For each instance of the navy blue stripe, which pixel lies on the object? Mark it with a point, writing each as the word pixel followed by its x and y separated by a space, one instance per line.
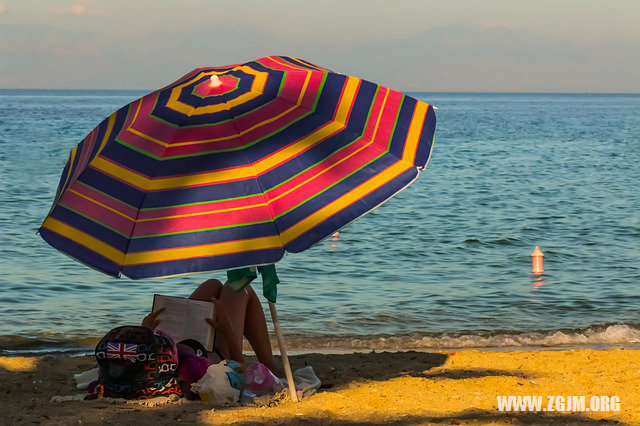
pixel 198 194
pixel 304 64
pixel 165 113
pixel 80 253
pixel 203 237
pixel 90 227
pixel 355 210
pixel 186 95
pixel 62 184
pixel 201 264
pixel 426 138
pixel 118 124
pixel 402 127
pixel 113 187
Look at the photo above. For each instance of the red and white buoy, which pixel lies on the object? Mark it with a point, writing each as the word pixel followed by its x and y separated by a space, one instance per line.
pixel 537 262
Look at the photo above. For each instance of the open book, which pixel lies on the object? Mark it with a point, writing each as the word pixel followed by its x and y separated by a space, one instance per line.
pixel 185 318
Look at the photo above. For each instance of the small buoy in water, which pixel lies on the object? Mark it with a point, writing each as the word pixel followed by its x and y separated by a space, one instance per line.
pixel 537 263
pixel 334 236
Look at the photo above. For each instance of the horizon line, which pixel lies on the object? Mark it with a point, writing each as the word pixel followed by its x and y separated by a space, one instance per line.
pixel 541 92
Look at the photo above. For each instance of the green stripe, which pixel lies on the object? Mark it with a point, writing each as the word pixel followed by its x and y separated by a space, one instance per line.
pixel 215 228
pixel 218 94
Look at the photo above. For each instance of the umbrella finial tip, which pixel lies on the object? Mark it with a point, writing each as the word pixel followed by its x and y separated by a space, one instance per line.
pixel 215 81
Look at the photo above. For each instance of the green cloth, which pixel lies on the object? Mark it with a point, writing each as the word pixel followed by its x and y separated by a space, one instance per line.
pixel 240 278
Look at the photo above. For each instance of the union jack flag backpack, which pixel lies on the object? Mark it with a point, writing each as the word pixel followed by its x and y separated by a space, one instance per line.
pixel 136 363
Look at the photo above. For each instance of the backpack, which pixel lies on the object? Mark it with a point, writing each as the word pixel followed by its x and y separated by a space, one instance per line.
pixel 136 363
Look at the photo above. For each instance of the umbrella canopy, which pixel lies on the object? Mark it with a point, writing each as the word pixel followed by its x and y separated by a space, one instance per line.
pixel 233 166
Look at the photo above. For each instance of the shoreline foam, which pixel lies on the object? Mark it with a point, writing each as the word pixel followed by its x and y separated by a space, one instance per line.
pixel 594 337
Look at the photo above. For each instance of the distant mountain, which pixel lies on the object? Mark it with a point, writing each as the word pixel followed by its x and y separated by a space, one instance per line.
pixel 469 58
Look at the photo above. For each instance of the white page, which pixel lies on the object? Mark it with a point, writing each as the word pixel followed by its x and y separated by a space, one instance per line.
pixel 185 318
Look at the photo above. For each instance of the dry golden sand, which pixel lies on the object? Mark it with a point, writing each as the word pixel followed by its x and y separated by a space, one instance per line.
pixel 373 388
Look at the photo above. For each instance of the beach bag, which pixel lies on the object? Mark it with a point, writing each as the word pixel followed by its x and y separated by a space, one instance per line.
pixel 136 363
pixel 222 383
pixel 259 380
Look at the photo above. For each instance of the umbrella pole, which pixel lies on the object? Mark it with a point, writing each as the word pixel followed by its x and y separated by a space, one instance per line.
pixel 283 351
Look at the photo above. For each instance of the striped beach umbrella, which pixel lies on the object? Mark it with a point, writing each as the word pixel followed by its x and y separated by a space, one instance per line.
pixel 233 166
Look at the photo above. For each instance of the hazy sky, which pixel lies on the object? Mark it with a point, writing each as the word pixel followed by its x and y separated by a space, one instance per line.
pixel 444 45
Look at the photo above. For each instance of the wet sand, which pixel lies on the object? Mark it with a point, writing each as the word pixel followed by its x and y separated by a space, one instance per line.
pixel 363 388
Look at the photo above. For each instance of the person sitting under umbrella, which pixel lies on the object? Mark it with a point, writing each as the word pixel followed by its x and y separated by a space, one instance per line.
pixel 238 314
pixel 169 368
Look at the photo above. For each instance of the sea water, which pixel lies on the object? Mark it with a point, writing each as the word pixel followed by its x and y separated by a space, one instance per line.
pixel 445 263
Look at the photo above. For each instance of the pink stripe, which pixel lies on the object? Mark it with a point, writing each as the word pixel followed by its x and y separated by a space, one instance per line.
pixel 97 213
pixel 198 208
pixel 83 156
pixel 104 199
pixel 256 214
pixel 152 126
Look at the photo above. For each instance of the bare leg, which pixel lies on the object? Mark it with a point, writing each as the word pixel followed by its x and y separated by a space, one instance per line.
pixel 255 330
pixel 207 290
pixel 246 315
pixel 236 304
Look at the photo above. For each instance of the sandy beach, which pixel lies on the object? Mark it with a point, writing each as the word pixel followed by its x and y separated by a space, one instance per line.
pixel 367 388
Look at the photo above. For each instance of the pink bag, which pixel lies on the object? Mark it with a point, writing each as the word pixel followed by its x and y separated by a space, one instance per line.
pixel 259 380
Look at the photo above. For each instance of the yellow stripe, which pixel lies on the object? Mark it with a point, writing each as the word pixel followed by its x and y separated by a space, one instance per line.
pixel 72 157
pixel 242 133
pixel 84 239
pixel 116 256
pixel 207 250
pixel 133 219
pixel 107 133
pixel 243 172
pixel 342 202
pixel 415 130
pixel 257 88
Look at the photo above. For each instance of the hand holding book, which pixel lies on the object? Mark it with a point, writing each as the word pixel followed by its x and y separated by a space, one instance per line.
pixel 152 320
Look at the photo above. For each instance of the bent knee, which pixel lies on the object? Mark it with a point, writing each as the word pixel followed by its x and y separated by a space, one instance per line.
pixel 208 289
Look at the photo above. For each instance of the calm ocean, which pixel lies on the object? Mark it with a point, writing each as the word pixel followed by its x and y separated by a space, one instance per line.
pixel 444 264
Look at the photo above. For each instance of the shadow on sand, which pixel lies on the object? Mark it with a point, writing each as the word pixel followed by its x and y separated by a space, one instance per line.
pixel 24 395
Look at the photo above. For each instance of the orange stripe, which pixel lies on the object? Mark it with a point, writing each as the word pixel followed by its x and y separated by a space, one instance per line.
pixel 84 239
pixel 415 130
